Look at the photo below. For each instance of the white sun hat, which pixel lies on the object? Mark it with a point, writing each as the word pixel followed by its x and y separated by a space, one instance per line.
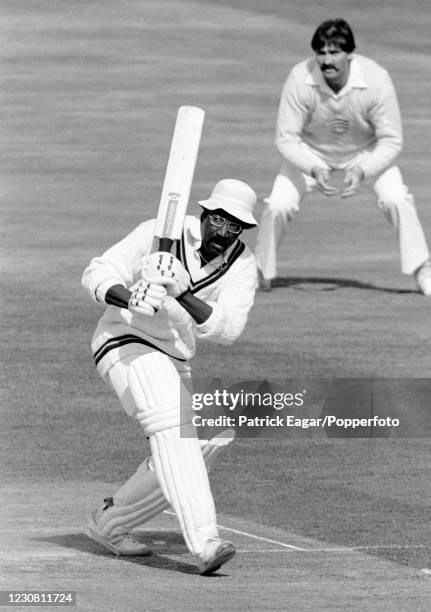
pixel 234 197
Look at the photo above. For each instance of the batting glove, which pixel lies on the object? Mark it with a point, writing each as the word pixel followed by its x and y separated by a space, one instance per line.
pixel 167 270
pixel 147 298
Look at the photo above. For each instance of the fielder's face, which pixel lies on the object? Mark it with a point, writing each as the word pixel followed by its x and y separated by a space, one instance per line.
pixel 334 64
pixel 216 239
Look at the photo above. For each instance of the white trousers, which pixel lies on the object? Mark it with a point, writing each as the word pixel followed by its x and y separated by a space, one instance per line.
pixel 393 198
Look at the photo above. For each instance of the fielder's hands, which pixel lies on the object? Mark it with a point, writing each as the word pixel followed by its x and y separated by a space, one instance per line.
pixel 321 176
pixel 352 180
pixel 165 269
pixel 147 298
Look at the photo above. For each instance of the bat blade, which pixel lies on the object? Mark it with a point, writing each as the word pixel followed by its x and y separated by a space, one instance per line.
pixel 179 175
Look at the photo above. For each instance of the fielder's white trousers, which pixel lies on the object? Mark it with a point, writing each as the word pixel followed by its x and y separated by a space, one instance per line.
pixel 393 198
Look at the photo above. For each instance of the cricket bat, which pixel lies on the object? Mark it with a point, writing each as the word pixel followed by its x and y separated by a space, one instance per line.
pixel 179 176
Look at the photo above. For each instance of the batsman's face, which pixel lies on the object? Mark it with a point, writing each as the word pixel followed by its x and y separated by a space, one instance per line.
pixel 334 64
pixel 216 240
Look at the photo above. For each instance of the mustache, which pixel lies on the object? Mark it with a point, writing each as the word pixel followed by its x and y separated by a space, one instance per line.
pixel 220 241
pixel 328 66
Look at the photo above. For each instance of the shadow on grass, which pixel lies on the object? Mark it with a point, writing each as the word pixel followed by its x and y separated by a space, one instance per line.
pixel 168 543
pixel 320 283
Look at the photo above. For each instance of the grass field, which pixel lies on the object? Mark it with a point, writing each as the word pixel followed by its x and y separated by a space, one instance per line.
pixel 89 95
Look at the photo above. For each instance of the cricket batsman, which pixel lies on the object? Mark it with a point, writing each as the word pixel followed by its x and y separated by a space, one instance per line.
pixel 339 113
pixel 157 305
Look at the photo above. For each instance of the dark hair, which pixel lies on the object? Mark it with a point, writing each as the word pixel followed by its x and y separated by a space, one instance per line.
pixel 335 31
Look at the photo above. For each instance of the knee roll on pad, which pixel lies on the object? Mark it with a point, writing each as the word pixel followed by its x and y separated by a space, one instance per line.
pixel 140 499
pixel 119 519
pixel 155 421
pixel 162 401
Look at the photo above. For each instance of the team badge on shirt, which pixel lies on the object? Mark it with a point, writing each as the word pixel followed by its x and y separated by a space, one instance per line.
pixel 339 125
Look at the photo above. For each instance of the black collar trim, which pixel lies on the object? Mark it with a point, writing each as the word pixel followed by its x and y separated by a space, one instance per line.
pixel 211 278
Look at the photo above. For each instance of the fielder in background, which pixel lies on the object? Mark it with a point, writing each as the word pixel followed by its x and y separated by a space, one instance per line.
pixel 339 112
pixel 158 304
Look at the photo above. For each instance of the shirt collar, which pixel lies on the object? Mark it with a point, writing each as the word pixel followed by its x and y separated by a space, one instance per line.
pixel 356 79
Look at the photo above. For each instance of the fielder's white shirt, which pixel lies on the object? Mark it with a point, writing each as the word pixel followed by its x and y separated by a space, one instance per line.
pixel 336 127
pixel 228 284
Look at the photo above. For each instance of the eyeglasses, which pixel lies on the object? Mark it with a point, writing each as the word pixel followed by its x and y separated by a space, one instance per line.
pixel 218 221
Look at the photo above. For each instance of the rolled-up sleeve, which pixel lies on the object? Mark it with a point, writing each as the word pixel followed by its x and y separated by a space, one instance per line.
pixel 233 304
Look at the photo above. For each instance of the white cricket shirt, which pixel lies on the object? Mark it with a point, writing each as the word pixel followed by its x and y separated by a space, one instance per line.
pixel 363 116
pixel 228 284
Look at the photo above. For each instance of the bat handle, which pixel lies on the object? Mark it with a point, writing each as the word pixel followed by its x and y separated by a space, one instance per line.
pixel 165 244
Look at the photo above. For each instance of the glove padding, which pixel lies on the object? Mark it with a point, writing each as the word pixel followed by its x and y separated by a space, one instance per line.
pixel 147 298
pixel 165 269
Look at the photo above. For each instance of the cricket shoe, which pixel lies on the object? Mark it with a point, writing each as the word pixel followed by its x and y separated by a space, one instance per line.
pixel 216 553
pixel 122 545
pixel 423 278
pixel 264 283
